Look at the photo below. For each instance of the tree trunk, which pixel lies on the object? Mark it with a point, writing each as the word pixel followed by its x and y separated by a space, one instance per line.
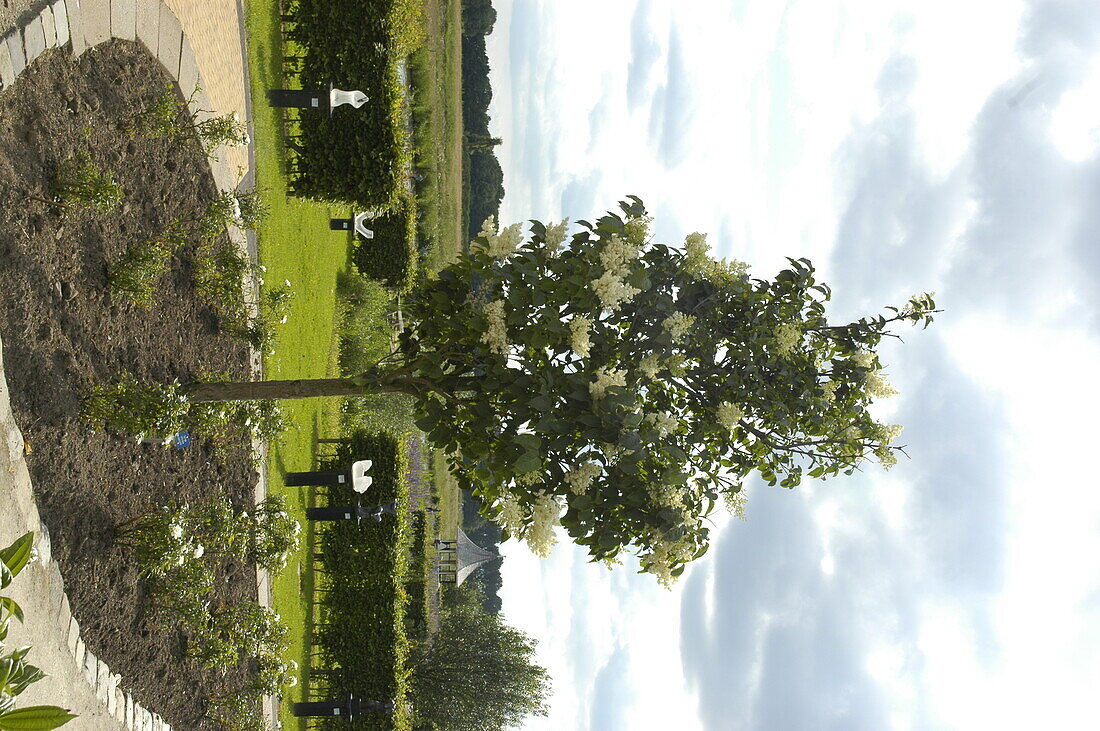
pixel 298 388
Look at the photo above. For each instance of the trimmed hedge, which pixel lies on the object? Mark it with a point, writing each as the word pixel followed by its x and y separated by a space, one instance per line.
pixel 390 257
pixel 357 156
pixel 363 645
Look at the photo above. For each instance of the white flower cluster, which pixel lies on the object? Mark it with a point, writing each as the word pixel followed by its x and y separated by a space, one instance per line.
pixel 636 230
pixel 579 478
pixel 604 379
pixel 612 291
pixel 876 384
pixel 678 325
pixel 545 514
pixel 496 335
pixel 529 478
pixel 501 245
pixel 696 250
pixel 828 389
pixel 787 338
pixel 729 415
pixel 511 514
pixel 864 359
pixel 650 366
pixel 736 502
pixel 610 287
pixel 667 496
pixel 886 456
pixel 663 423
pixel 579 340
pixel 660 559
pixel 675 365
pixel 555 236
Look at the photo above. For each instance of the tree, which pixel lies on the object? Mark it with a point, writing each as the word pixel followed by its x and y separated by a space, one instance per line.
pixel 478 674
pixel 621 387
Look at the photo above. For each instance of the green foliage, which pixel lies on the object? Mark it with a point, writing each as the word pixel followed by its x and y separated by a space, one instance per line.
pixel 16 674
pixel 80 183
pixel 363 308
pixel 357 155
pixel 391 255
pixel 169 117
pixel 159 411
pixel 135 275
pixel 478 673
pixel 362 641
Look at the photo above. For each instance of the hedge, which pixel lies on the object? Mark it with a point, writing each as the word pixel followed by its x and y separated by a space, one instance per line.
pixel 390 257
pixel 358 156
pixel 361 638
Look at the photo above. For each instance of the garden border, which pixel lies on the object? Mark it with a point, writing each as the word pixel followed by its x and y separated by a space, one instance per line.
pixel 58 24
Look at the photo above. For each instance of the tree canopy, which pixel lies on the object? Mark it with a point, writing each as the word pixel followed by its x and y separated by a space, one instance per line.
pixel 622 388
pixel 478 673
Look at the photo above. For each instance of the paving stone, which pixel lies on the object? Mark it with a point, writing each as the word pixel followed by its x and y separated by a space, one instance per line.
pixel 7 73
pixel 65 613
pixel 61 21
pixel 34 39
pixel 189 69
pixel 75 14
pixel 119 705
pixel 49 28
pixel 55 586
pixel 139 717
pixel 170 41
pixel 128 711
pixel 91 667
pixel 79 652
pixel 124 19
pixel 96 16
pixel 148 24
pixel 110 688
pixel 102 681
pixel 74 636
pixel 43 543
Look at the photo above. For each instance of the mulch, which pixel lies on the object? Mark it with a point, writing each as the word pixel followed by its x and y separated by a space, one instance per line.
pixel 63 332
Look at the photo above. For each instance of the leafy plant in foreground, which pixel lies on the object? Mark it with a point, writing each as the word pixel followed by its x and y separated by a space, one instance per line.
pixel 135 275
pixel 16 674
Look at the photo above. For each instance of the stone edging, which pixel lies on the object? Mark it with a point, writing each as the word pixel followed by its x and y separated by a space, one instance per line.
pixel 82 26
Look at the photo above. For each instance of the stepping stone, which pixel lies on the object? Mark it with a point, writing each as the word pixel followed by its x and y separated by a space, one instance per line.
pixel 61 21
pixel 148 24
pixel 7 72
pixel 128 711
pixel 170 41
pixel 124 19
pixel 49 29
pixel 79 653
pixel 34 39
pixel 96 17
pixel 120 705
pixel 102 681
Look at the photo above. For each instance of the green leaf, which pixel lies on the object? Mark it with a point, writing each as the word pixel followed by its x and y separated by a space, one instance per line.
pixel 5 575
pixel 528 462
pixel 529 442
pixel 35 718
pixel 10 606
pixel 541 403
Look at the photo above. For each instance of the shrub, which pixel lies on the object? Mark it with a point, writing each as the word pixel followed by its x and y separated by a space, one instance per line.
pixel 135 275
pixel 391 255
pixel 356 155
pixel 80 183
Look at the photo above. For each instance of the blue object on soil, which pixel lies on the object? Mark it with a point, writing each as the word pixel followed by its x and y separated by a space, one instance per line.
pixel 181 439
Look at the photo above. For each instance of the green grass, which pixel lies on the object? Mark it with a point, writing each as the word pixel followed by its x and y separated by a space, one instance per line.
pixel 296 244
pixel 436 77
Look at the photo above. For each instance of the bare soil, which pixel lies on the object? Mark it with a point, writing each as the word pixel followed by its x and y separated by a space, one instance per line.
pixel 64 332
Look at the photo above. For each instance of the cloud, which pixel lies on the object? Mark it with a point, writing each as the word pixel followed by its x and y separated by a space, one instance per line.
pixel 579 198
pixel 672 106
pixel 612 694
pixel 644 53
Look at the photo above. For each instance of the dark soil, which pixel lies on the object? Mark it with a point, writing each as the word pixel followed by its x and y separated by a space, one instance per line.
pixel 63 332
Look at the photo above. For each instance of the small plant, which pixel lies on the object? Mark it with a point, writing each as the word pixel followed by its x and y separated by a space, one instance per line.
pixel 169 117
pixel 220 272
pixel 16 674
pixel 252 208
pixel 143 410
pixel 135 275
pixel 80 183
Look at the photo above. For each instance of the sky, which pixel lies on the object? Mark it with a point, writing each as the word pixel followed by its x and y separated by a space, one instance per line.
pixel 904 146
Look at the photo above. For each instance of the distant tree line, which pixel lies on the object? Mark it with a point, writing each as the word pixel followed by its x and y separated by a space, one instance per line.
pixel 486 176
